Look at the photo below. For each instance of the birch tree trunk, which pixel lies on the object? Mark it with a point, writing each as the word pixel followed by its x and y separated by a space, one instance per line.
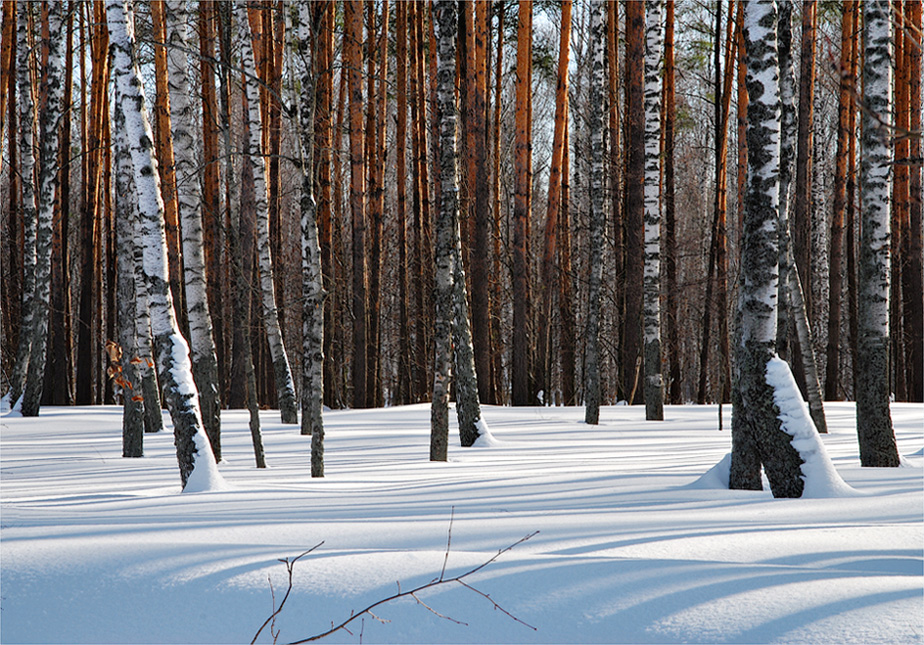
pixel 26 107
pixel 194 454
pixel 133 403
pixel 52 89
pixel 597 216
pixel 757 435
pixel 305 33
pixel 285 387
pixel 654 386
pixel 447 218
pixel 874 420
pixel 189 197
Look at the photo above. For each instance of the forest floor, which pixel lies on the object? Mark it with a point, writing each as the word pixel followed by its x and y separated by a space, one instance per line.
pixel 634 543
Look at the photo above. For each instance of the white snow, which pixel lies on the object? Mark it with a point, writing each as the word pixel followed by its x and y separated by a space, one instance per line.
pixel 818 472
pixel 101 549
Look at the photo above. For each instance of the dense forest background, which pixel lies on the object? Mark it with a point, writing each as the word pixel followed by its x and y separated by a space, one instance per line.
pixel 525 193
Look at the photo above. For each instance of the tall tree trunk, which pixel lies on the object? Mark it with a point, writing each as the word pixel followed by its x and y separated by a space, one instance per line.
pixel 496 286
pixel 520 368
pixel 801 220
pixel 565 296
pixel 323 129
pixel 672 318
pixel 52 89
pixel 757 434
pixel 592 389
pixel 352 46
pixel 635 196
pixel 285 387
pixel 132 364
pixel 194 455
pixel 847 88
pixel 189 199
pixel 874 420
pixel 305 34
pixel 443 229
pixel 616 172
pixel 481 239
pixel 914 287
pixel 548 284
pixel 27 114
pixel 403 394
pixel 166 163
pixel 654 386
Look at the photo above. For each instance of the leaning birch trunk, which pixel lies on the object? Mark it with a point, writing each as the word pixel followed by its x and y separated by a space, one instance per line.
pixel 468 407
pixel 874 420
pixel 189 197
pixel 791 314
pixel 305 33
pixel 445 11
pixel 757 434
pixel 133 402
pixel 654 387
pixel 194 454
pixel 52 88
pixel 150 390
pixel 26 107
pixel 253 155
pixel 597 216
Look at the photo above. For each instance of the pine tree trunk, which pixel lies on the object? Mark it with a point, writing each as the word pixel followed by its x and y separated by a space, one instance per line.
pixel 304 33
pixel 592 390
pixel 447 218
pixel 403 394
pixel 285 387
pixel 914 309
pixel 672 317
pixel 520 367
pixel 189 198
pixel 874 421
pixel 52 89
pixel 654 386
pixel 757 436
pixel 565 295
pixel 352 46
pixel 194 454
pixel 801 220
pixel 635 196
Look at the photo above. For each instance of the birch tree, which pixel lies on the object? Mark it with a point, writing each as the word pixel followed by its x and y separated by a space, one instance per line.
pixel 874 420
pixel 189 198
pixel 758 438
pixel 194 453
pixel 253 156
pixel 597 217
pixel 305 30
pixel 654 387
pixel 52 89
pixel 26 108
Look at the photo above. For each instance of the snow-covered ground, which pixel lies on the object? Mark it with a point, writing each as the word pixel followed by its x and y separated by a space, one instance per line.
pixel 634 545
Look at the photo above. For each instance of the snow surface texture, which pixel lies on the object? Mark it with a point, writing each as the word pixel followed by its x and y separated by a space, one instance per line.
pixel 96 548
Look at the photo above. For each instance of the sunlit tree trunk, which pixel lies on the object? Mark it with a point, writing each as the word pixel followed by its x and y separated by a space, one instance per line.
pixel 404 338
pixel 193 449
pixel 874 420
pixel 914 288
pixel 672 315
pixel 757 435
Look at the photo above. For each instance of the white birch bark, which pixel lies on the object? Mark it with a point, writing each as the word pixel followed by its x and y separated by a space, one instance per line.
pixel 133 402
pixel 757 435
pixel 285 386
pixel 194 453
pixel 26 108
pixel 597 215
pixel 654 386
pixel 189 196
pixel 446 15
pixel 874 420
pixel 303 35
pixel 468 407
pixel 52 88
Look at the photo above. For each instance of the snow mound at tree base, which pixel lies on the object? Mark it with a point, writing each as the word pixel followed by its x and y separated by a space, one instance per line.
pixel 821 478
